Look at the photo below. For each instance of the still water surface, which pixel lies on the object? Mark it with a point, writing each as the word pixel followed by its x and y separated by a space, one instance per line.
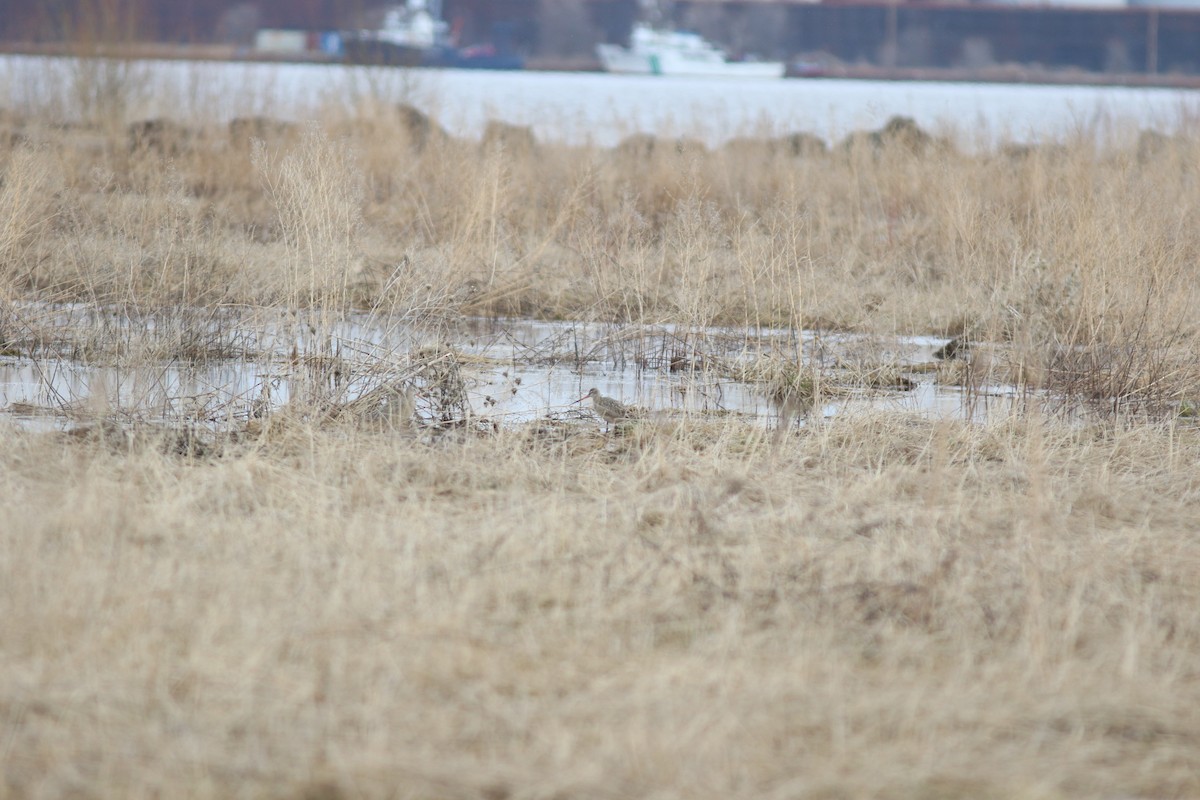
pixel 512 372
pixel 599 108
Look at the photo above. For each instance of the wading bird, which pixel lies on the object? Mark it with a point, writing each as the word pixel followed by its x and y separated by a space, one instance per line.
pixel 610 410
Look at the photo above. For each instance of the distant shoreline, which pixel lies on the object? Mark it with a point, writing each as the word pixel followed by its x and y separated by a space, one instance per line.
pixel 1005 74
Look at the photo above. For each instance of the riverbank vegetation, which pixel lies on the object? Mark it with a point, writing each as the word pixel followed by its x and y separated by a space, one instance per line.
pixel 304 600
pixel 1077 258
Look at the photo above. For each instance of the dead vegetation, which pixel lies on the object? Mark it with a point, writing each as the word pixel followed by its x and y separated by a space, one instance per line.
pixel 884 605
pixel 342 580
pixel 1069 261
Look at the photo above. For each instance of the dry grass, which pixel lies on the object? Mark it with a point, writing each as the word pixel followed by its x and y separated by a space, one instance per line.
pixel 1077 261
pixel 881 608
pixel 876 606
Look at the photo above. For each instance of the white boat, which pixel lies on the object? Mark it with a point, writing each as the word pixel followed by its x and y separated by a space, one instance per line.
pixel 415 35
pixel 653 52
pixel 409 32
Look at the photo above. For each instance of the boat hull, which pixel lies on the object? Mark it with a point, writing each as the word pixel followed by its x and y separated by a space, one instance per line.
pixel 483 57
pixel 377 53
pixel 622 61
pixel 372 52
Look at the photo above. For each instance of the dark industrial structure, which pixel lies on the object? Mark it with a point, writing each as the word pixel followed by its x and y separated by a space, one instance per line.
pixel 953 35
pixel 205 21
pixel 1128 39
pixel 924 34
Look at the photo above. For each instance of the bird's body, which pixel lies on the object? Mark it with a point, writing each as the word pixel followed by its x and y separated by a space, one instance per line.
pixel 958 347
pixel 609 410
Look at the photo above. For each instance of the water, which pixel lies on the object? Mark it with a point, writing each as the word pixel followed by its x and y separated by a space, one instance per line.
pixel 599 108
pixel 511 372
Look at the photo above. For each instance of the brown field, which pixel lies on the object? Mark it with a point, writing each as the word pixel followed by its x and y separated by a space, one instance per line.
pixel 873 606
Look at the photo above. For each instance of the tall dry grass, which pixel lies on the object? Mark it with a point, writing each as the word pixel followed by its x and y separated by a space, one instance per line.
pixel 881 608
pixel 1075 259
pixel 875 606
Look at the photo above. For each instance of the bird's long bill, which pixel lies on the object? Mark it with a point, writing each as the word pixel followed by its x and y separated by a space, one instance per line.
pixel 580 400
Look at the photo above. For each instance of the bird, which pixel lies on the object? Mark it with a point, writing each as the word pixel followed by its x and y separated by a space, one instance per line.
pixel 795 396
pixel 610 410
pixel 958 347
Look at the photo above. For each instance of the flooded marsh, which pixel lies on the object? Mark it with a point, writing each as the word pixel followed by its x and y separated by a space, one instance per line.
pixel 478 372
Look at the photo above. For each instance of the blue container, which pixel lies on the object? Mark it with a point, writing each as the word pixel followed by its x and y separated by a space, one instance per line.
pixel 331 43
